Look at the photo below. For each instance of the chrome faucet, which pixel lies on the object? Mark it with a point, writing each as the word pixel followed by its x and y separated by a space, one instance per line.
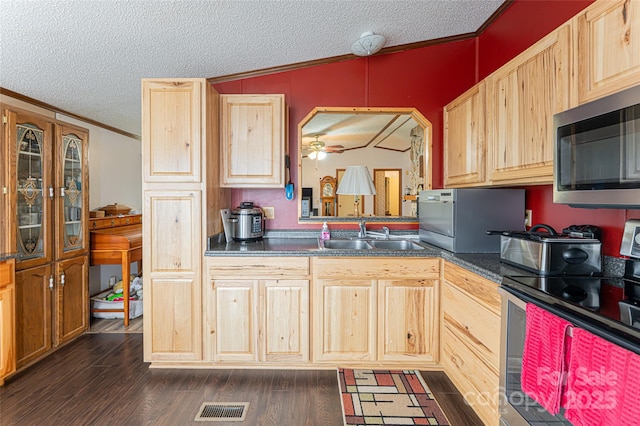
pixel 362 233
pixel 386 232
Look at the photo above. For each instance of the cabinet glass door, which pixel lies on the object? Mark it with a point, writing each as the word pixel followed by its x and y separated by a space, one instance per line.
pixel 71 192
pixel 30 202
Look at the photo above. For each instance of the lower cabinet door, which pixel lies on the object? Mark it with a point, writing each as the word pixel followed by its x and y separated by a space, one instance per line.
pixel 7 339
pixel 407 309
pixel 345 321
pixel 235 328
pixel 72 302
pixel 34 292
pixel 284 324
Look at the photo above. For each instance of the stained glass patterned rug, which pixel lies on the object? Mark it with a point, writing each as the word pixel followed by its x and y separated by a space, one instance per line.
pixel 387 397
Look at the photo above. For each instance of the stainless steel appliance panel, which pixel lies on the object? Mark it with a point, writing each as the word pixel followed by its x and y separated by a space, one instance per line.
pixel 574 256
pixel 597 152
pixel 457 219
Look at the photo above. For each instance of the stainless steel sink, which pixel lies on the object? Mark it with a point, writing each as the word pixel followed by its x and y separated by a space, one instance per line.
pixel 395 245
pixel 357 244
pixel 346 244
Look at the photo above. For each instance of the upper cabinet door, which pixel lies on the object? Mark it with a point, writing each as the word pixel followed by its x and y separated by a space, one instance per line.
pixel 608 53
pixel 464 139
pixel 522 97
pixel 253 129
pixel 172 130
pixel 72 195
pixel 30 139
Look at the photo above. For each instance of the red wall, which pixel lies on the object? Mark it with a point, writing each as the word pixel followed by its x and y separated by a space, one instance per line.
pixel 521 25
pixel 427 79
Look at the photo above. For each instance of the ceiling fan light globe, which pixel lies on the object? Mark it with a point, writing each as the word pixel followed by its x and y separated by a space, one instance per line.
pixel 312 155
pixel 322 155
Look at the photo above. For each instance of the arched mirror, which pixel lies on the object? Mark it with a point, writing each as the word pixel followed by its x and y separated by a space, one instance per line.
pixel 394 144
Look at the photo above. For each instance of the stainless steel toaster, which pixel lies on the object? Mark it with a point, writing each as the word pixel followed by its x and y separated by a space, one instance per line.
pixel 552 255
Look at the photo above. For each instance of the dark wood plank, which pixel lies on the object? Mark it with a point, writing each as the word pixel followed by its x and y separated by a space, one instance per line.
pixel 100 379
pixel 450 400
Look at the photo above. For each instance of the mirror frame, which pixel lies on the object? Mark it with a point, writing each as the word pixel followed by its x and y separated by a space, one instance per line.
pixel 415 114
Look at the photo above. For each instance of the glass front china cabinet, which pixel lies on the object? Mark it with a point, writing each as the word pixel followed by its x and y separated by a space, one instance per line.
pixel 48 217
pixel 37 194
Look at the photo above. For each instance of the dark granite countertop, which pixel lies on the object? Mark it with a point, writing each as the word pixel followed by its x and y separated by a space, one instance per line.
pixel 305 243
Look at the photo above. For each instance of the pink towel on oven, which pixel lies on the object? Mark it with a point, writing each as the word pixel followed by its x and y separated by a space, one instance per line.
pixel 603 383
pixel 543 358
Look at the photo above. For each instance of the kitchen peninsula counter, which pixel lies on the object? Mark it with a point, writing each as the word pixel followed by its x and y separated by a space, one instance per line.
pixel 304 243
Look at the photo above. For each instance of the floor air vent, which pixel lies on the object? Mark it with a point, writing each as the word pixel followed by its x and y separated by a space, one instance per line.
pixel 222 412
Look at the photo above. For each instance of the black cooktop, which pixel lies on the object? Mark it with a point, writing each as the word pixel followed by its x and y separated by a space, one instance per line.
pixel 612 302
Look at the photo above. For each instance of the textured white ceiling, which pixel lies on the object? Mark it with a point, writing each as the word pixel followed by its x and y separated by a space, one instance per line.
pixel 88 56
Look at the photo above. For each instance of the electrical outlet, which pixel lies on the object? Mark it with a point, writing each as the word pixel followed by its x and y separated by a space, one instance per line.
pixel 269 212
pixel 527 217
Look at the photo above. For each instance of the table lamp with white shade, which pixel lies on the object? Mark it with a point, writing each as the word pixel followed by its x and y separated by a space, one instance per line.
pixel 356 181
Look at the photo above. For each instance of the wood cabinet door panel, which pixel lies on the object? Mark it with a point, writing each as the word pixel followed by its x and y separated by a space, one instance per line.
pixel 72 302
pixel 71 206
pixel 478 384
pixel 409 320
pixel 608 46
pixel 171 130
pixel 253 137
pixel 464 139
pixel 30 140
pixel 7 320
pixel 175 230
pixel 236 320
pixel 175 319
pixel 34 292
pixel 346 326
pixel 523 95
pixel 284 333
pixel 473 323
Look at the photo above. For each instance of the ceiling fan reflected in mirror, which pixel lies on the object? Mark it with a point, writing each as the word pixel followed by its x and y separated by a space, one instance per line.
pixel 319 150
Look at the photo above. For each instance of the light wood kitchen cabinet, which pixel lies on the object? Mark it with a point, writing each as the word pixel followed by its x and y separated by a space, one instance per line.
pixel 181 203
pixel 522 97
pixel 253 132
pixel 607 52
pixel 409 320
pixel 470 307
pixel 7 319
pixel 465 139
pixel 258 309
pixel 375 310
pixel 346 323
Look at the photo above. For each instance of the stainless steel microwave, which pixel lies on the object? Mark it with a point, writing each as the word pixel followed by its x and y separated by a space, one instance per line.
pixel 597 153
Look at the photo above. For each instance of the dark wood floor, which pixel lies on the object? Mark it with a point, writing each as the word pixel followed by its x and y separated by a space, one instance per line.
pixel 100 379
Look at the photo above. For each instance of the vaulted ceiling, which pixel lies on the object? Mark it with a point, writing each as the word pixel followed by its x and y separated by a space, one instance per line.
pixel 87 57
